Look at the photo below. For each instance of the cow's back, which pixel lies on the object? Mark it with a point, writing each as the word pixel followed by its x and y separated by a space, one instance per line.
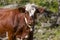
pixel 7 19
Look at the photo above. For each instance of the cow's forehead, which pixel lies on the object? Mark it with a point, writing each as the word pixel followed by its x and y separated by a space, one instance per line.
pixel 30 8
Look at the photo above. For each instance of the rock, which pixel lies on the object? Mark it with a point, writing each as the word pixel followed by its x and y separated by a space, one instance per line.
pixel 41 31
pixel 58 21
pixel 45 24
pixel 53 17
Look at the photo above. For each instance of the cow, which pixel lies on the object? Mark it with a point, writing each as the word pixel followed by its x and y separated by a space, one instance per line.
pixel 15 21
pixel 33 11
pixel 27 21
pixel 19 22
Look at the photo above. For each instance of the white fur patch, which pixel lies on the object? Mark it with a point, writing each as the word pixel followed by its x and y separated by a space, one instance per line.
pixel 30 8
pixel 5 38
pixel 26 20
pixel 31 13
pixel 31 29
pixel 6 34
pixel 26 36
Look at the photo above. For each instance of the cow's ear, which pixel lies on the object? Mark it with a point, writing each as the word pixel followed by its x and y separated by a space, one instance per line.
pixel 41 10
pixel 22 9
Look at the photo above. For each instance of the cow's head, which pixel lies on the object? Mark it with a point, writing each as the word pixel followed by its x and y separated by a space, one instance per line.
pixel 33 10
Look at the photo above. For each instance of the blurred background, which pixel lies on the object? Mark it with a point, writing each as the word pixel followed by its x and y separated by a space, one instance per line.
pixel 48 23
pixel 50 4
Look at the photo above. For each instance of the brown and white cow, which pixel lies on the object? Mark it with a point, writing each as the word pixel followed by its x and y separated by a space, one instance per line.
pixel 18 22
pixel 15 21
